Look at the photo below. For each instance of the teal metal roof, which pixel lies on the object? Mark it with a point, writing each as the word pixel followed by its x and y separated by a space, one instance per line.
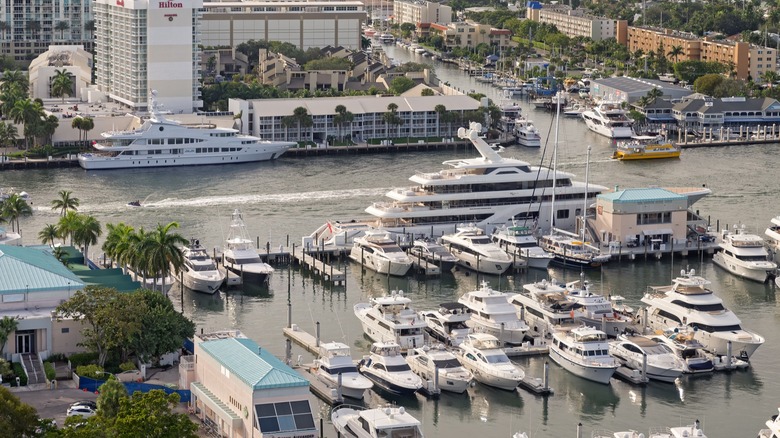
pixel 33 269
pixel 641 195
pixel 259 371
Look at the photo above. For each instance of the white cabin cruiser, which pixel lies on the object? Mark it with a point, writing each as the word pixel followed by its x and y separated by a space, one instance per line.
pixel 526 133
pixel 240 254
pixel 199 272
pixel 545 306
pixel 448 323
pixel 391 318
pixel 609 119
pixel 160 142
pixel 596 310
pixel 583 351
pixel 689 302
pixel 390 421
pixel 474 250
pixel 519 241
pixel 773 237
pixel 387 368
pixel 376 250
pixel 691 431
pixel 662 363
pixel 433 252
pixel 492 313
pixel 335 366
pixel 570 251
pixel 429 362
pixel 744 255
pixel 689 351
pixel 481 354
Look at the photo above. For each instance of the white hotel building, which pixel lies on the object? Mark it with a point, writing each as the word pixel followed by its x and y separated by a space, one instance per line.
pixel 144 45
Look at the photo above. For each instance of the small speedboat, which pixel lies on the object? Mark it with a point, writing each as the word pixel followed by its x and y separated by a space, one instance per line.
pixel 135 203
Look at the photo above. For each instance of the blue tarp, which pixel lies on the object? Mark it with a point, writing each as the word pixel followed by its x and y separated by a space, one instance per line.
pixel 92 385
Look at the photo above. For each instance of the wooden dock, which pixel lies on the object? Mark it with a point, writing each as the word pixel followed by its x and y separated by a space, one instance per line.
pixel 424 267
pixel 536 348
pixel 324 270
pixel 231 278
pixel 309 342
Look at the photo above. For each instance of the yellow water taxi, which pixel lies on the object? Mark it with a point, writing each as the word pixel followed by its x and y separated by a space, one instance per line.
pixel 645 147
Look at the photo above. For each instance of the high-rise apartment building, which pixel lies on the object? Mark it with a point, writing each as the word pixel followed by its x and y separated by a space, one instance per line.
pixel 144 45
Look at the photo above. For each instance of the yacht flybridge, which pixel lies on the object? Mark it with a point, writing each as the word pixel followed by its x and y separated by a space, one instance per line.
pixel 488 191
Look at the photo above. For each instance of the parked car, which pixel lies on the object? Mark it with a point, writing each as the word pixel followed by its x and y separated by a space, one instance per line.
pixel 130 376
pixel 82 410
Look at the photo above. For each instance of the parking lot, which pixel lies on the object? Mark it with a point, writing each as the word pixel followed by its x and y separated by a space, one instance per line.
pixel 54 403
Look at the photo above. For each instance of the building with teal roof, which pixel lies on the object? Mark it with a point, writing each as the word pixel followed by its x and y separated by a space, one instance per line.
pixel 245 390
pixel 654 216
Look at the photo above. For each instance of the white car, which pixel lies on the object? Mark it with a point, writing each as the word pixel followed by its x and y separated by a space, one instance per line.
pixel 82 409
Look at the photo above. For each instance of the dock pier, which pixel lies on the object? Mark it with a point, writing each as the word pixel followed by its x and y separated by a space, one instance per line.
pixel 538 386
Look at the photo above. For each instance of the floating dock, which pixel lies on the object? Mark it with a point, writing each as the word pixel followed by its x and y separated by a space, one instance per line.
pixel 317 387
pixel 631 376
pixel 307 341
pixel 536 385
pixel 324 270
pixel 425 267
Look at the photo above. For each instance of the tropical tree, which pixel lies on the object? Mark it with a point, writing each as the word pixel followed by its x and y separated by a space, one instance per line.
pixel 68 224
pixel 13 208
pixel 8 133
pixel 342 117
pixel 45 130
pixel 83 125
pixel 8 325
pixel 87 233
pixel 62 26
pixel 164 328
pixel 61 84
pixel 287 123
pixel 440 110
pixel 48 234
pixel 302 119
pixel 391 118
pixel 17 418
pixel 14 80
pixel 675 52
pixel 770 77
pixel 111 394
pixel 161 251
pixel 29 113
pixel 61 255
pixel 65 202
pixel 117 243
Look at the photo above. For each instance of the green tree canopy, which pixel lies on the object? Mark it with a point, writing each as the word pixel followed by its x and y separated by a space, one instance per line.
pixel 17 419
pixel 401 84
pixel 329 63
pixel 689 71
pixel 706 84
pixel 164 328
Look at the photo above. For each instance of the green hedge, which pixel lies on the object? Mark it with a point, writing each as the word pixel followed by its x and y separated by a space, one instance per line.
pixel 91 371
pixel 51 373
pixel 78 359
pixel 19 372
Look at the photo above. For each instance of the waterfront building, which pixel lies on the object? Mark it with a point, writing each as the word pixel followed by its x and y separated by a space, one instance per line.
pixel 420 12
pixel 738 115
pixel 264 117
pixel 144 45
pixel 471 34
pixel 76 61
pixel 655 217
pixel 30 27
pixel 305 24
pixel 278 70
pixel 244 391
pixel 746 60
pixel 575 22
pixel 628 89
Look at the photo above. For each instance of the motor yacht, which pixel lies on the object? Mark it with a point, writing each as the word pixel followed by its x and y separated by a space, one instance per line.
pixel 583 351
pixel 199 272
pixel 645 147
pixel 162 284
pixel 475 251
pixel 391 318
pixel 596 310
pixel 160 142
pixel 481 354
pixel 492 313
pixel 773 427
pixel 430 362
pixel 570 251
pixel 544 306
pixel 335 367
pixel 689 302
pixel 376 250
pixel 526 133
pixel 433 252
pixel 688 350
pixel 448 323
pixel 386 38
pixel 661 363
pixel 693 431
pixel 575 110
pixel 240 254
pixel 488 191
pixel 388 370
pixel 391 421
pixel 773 238
pixel 519 242
pixel 744 255
pixel 609 119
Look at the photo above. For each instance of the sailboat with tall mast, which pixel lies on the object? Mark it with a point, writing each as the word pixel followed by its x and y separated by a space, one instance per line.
pixel 570 250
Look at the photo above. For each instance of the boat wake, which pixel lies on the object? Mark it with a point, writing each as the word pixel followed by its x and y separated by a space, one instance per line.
pixel 282 198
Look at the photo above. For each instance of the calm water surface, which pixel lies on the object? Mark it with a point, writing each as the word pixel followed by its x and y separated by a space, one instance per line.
pixel 291 197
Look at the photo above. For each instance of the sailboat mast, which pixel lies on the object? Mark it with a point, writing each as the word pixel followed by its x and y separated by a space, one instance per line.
pixel 585 201
pixel 555 167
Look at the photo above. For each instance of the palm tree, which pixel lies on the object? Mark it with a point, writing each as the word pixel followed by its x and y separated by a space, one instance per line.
pixel 8 325
pixel 342 117
pixel 29 113
pixel 287 123
pixel 440 110
pixel 61 255
pixel 65 202
pixel 77 123
pixel 14 80
pixel 770 77
pixel 654 94
pixel 14 207
pixel 34 27
pixel 48 234
pixel 162 251
pixel 302 118
pixel 87 124
pixel 62 26
pixel 117 243
pixel 134 254
pixel 87 233
pixel 62 84
pixel 68 224
pixel 8 133
pixel 390 118
pixel 675 52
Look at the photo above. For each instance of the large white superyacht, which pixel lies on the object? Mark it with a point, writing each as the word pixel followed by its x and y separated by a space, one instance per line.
pixel 743 254
pixel 160 142
pixel 487 191
pixel 609 119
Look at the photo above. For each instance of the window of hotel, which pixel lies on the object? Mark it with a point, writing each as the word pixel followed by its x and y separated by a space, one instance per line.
pixel 65 330
pixel 284 417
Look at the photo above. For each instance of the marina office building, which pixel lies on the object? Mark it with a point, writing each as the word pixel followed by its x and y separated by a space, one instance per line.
pixel 417 116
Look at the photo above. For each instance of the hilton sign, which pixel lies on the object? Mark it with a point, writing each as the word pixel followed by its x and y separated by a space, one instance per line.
pixel 169 4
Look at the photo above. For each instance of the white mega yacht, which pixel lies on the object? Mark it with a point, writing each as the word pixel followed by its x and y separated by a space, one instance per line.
pixel 335 366
pixel 199 272
pixel 488 190
pixel 544 306
pixel 744 255
pixel 240 254
pixel 391 318
pixel 481 354
pixel 378 251
pixel 519 241
pixel 773 237
pixel 689 302
pixel 448 323
pixel 609 119
pixel 474 250
pixel 160 142
pixel 492 313
pixel 596 310
pixel 583 351
pixel 526 133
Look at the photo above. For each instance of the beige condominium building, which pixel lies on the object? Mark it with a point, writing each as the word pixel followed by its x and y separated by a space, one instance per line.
pixel 470 34
pixel 420 11
pixel 306 24
pixel 746 60
pixel 144 45
pixel 575 22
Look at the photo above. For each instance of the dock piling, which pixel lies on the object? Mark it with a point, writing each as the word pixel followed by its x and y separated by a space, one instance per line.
pixel 317 338
pixel 644 367
pixel 728 355
pixel 546 379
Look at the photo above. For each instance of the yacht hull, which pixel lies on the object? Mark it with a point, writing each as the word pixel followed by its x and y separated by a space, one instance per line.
pixel 507 336
pixel 485 266
pixel 495 381
pixel 616 132
pixel 250 274
pixel 574 263
pixel 357 392
pixel 388 385
pixel 758 271
pixel 596 374
pixel 101 162
pixel 200 284
pixel 740 345
pixel 538 262
pixel 380 265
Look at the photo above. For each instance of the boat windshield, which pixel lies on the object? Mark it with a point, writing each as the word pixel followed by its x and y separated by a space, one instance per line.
pixel 247 260
pixel 447 363
pixel 397 368
pixel 401 432
pixel 209 267
pixel 340 370
pixel 480 240
pixel 497 358
pixel 716 307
